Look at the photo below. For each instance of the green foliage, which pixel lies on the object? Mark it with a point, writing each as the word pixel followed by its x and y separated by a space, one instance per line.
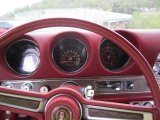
pixel 8 16
pixel 124 6
pixel 130 6
pixel 135 7
pixel 26 8
pixel 145 20
pixel 54 4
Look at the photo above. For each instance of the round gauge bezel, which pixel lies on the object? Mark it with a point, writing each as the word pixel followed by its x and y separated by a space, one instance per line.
pixel 118 69
pixel 5 84
pixel 30 85
pixel 75 39
pixel 16 41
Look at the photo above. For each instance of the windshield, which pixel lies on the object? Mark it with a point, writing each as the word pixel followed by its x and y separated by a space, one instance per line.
pixel 113 14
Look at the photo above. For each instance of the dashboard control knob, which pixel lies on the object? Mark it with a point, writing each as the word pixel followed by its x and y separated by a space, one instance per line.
pixel 27 86
pixel 156 68
pixel 44 89
pixel 130 85
pixel 7 85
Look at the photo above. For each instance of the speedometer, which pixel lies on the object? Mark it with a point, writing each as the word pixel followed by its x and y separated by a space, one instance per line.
pixel 70 58
pixel 70 54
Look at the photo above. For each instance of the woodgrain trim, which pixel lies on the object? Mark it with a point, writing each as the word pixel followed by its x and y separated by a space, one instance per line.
pixel 22 102
pixel 106 113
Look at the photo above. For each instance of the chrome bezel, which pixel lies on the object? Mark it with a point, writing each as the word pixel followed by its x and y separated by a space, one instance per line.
pixel 5 83
pixel 15 70
pixel 138 80
pixel 81 68
pixel 128 61
pixel 30 83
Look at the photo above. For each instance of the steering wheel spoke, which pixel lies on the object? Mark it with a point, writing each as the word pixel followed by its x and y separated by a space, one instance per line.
pixel 69 101
pixel 23 103
pixel 109 111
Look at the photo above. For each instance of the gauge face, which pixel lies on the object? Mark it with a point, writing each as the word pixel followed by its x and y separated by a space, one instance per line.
pixel 30 62
pixel 109 56
pixel 70 55
pixel 70 58
pixel 112 57
pixel 23 57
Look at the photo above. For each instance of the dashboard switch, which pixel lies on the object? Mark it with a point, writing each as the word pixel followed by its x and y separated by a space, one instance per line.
pixel 129 85
pixel 88 92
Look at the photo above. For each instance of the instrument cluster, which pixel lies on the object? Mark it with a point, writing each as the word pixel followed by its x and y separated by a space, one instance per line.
pixel 69 53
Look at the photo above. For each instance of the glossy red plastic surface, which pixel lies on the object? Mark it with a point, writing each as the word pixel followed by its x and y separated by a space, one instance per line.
pixel 2 31
pixel 147 41
pixel 65 102
pixel 143 40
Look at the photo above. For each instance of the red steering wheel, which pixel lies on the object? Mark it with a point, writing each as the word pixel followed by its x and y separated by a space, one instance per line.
pixel 67 102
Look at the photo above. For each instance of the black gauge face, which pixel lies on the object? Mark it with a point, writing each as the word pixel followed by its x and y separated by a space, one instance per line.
pixel 70 55
pixel 112 57
pixel 23 57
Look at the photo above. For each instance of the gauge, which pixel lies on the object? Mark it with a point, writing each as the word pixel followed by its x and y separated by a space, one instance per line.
pixel 112 57
pixel 109 56
pixel 7 85
pixel 27 86
pixel 30 62
pixel 70 58
pixel 70 55
pixel 23 56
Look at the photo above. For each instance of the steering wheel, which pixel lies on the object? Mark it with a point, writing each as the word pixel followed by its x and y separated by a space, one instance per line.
pixel 67 102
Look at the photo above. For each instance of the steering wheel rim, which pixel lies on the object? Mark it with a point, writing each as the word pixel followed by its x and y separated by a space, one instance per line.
pixel 113 36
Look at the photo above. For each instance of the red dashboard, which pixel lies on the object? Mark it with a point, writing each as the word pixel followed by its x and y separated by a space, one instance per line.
pixel 147 41
pixel 74 72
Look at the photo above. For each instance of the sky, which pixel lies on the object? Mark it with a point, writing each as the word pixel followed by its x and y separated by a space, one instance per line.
pixel 10 5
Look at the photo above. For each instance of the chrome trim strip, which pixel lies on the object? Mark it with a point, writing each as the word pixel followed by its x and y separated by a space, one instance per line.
pixel 139 82
pixel 41 101
pixel 146 115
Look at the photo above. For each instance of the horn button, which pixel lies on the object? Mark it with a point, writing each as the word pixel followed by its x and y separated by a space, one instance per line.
pixel 63 108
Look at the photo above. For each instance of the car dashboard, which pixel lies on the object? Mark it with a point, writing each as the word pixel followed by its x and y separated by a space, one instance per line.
pixel 41 61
